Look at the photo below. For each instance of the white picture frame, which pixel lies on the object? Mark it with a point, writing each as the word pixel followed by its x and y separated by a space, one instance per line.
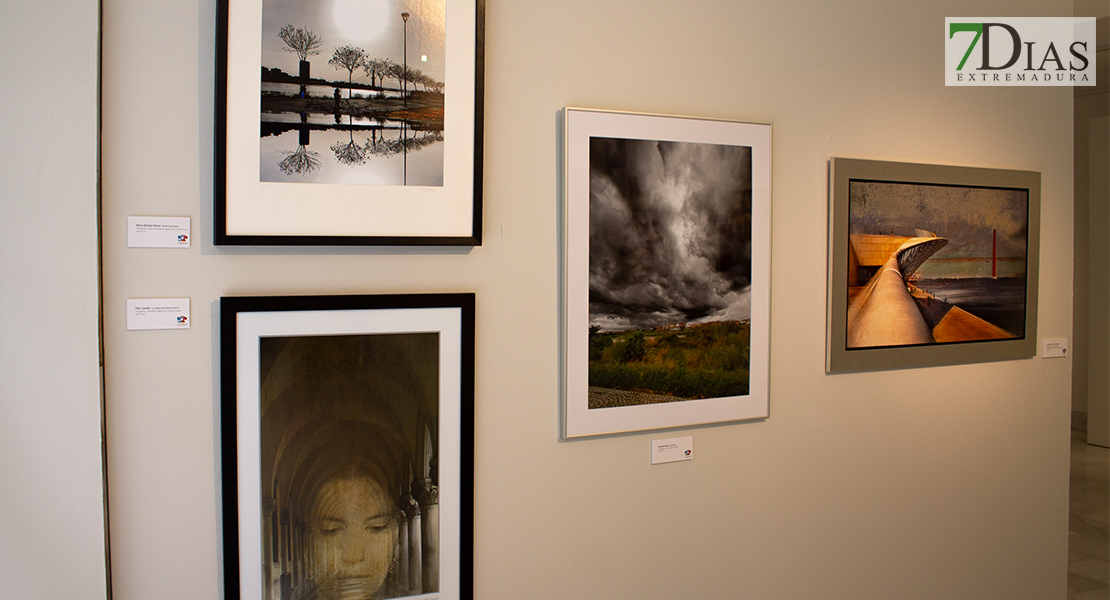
pixel 749 145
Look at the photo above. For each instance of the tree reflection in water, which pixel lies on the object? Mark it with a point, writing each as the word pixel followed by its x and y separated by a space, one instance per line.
pixel 386 148
pixel 300 161
pixel 353 153
pixel 350 153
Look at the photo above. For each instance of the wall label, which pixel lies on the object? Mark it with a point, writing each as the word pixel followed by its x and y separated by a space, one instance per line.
pixel 672 450
pixel 158 232
pixel 157 313
pixel 1054 347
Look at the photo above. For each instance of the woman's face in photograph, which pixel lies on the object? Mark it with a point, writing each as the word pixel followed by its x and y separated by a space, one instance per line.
pixel 354 531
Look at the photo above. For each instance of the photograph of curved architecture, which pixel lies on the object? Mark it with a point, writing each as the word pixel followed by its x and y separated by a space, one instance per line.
pixel 350 453
pixel 935 264
pixel 353 92
pixel 670 271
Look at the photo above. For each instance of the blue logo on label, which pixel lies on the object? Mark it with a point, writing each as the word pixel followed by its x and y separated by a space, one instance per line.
pixel 182 320
pixel 182 239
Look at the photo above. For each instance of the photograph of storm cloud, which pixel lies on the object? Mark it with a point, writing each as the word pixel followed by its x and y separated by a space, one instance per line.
pixel 670 269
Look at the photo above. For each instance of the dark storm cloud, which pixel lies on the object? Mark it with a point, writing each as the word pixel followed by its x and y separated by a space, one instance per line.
pixel 670 232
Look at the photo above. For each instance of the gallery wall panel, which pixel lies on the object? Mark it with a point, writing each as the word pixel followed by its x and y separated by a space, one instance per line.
pixel 857 483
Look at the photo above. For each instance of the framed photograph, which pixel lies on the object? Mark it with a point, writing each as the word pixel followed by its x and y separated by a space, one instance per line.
pixel 352 122
pixel 667 261
pixel 930 265
pixel 347 446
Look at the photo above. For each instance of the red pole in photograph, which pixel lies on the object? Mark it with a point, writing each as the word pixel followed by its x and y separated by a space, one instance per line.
pixel 994 254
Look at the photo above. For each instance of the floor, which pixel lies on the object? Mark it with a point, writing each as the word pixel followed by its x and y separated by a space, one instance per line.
pixel 1088 542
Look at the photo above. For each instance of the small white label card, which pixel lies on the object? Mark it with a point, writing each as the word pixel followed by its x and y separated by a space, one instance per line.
pixel 672 450
pixel 158 232
pixel 1054 348
pixel 157 313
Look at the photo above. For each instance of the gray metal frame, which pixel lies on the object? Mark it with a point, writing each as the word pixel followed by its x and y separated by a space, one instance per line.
pixel 838 357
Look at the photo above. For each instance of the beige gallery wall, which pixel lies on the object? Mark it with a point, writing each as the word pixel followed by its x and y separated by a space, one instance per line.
pixel 52 539
pixel 931 483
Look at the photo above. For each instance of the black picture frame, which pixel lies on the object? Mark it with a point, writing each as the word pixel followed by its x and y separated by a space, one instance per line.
pixel 363 404
pixel 254 211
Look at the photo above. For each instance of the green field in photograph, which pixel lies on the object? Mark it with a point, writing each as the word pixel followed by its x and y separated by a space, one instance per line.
pixel 708 360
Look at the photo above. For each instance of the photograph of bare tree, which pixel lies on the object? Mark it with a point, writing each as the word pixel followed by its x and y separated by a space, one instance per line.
pixel 352 92
pixel 670 271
